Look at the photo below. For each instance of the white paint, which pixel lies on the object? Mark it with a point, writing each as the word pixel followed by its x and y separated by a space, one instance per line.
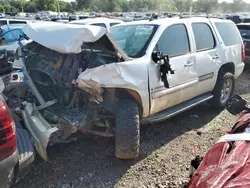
pixel 63 38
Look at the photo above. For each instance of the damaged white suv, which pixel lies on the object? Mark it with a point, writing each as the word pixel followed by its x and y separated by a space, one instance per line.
pixel 82 78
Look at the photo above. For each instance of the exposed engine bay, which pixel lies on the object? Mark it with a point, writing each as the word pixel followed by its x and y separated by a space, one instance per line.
pixel 67 104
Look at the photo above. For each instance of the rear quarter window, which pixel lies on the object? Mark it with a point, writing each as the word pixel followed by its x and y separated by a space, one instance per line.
pixel 228 33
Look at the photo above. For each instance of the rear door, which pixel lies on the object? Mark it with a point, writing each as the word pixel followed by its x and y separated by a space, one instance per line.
pixel 207 55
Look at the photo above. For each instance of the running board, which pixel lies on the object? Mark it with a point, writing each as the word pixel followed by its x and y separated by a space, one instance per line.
pixel 170 112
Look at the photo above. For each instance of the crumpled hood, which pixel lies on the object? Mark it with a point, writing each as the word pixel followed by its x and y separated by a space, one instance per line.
pixel 67 38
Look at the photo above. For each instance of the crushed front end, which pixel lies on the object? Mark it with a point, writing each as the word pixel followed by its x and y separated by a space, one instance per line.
pixel 53 103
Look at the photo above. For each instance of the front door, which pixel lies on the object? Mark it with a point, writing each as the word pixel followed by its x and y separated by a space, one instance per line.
pixel 174 42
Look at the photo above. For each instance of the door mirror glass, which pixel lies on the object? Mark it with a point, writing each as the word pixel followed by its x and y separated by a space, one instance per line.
pixel 157 56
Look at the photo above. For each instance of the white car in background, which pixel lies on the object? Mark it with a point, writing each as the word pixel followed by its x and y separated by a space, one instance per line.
pixel 103 22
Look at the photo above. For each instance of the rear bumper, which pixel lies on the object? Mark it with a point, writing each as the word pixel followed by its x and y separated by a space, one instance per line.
pixel 239 69
pixel 7 170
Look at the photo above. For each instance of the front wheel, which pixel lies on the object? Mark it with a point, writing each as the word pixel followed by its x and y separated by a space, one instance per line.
pixel 127 132
pixel 223 90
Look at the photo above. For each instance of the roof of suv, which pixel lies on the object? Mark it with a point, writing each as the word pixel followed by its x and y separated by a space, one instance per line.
pixel 161 21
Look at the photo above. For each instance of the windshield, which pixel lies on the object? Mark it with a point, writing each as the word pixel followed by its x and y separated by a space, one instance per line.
pixel 133 39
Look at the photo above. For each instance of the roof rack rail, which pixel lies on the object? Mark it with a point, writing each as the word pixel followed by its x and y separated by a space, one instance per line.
pixel 199 16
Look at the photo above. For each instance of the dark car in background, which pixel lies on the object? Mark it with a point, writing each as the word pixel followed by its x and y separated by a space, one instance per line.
pixel 235 18
pixel 246 20
pixel 244 29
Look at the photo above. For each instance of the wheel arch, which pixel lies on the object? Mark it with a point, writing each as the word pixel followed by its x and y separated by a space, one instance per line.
pixel 228 67
pixel 123 93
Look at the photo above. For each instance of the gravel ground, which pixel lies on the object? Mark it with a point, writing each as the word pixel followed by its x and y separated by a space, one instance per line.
pixel 166 151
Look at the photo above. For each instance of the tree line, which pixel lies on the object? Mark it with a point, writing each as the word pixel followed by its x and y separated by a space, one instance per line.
pixel 207 6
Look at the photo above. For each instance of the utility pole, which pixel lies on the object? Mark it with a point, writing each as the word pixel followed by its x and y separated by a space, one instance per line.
pixel 21 5
pixel 190 10
pixel 58 9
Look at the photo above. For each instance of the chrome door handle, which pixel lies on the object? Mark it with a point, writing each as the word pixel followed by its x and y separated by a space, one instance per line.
pixel 189 63
pixel 216 57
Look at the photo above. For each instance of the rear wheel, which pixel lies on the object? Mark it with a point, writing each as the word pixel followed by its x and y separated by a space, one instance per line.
pixel 223 90
pixel 127 133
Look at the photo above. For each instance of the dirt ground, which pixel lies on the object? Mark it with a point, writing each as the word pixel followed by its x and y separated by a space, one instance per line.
pixel 166 151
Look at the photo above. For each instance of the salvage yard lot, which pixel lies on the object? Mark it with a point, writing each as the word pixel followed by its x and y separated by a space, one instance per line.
pixel 166 151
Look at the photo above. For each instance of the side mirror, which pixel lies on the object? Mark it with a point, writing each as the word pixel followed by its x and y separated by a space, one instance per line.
pixel 157 56
pixel 236 105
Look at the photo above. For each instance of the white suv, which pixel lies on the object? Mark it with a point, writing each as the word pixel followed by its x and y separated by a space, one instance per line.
pixel 82 78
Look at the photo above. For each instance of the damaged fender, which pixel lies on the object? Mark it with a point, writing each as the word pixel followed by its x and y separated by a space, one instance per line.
pixel 121 75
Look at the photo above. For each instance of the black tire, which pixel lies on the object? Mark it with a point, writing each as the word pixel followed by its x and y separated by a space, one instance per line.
pixel 127 132
pixel 217 102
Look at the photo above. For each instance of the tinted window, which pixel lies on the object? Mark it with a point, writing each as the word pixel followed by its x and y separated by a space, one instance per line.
pixel 17 22
pixel 112 24
pixel 100 24
pixel 3 22
pixel 228 33
pixel 203 35
pixel 174 41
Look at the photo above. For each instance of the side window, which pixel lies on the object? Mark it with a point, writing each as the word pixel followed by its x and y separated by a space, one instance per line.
pixel 100 24
pixel 17 22
pixel 174 41
pixel 228 33
pixel 204 37
pixel 112 24
pixel 3 22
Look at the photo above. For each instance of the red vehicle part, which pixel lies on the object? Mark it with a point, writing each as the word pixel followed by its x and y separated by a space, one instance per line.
pixel 227 164
pixel 7 132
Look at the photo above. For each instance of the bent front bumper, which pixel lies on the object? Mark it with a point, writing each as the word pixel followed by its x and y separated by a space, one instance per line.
pixel 38 127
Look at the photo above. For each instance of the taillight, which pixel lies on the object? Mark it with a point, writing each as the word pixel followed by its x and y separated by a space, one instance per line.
pixel 243 55
pixel 7 132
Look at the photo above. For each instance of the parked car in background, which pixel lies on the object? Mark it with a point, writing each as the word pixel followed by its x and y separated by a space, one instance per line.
pixel 16 151
pixel 246 20
pixel 235 18
pixel 244 29
pixel 102 22
pixel 60 19
pixel 78 17
pixel 8 21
